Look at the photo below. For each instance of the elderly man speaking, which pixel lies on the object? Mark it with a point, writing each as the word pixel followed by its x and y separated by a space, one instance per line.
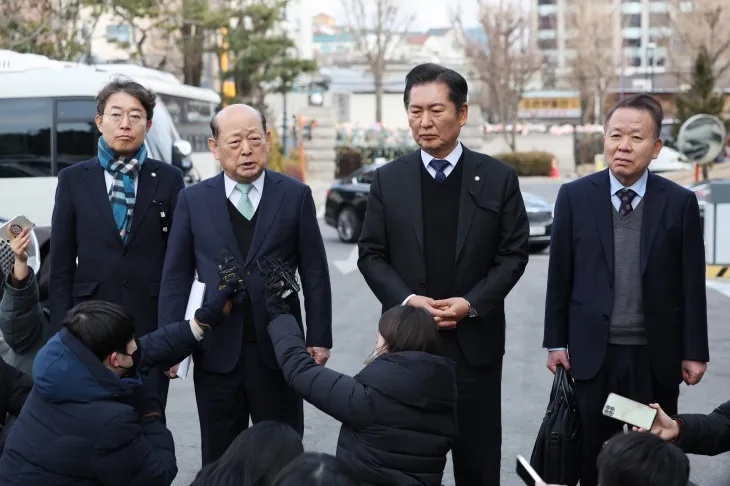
pixel 247 212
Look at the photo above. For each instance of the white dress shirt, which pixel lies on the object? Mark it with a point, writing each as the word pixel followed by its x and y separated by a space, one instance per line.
pixel 254 194
pixel 639 187
pixel 452 159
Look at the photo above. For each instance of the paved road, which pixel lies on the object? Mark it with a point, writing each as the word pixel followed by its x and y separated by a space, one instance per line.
pixel 526 382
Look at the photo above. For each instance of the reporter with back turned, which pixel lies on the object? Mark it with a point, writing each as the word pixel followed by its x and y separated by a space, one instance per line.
pixel 398 413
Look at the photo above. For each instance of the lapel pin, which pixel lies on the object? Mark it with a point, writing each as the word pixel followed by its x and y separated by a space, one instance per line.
pixel 476 178
pixel 154 174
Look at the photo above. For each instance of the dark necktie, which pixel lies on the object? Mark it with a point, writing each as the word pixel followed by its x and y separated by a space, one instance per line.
pixel 626 196
pixel 439 166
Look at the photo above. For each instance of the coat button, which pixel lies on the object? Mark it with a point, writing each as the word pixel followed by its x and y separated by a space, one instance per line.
pixel 124 253
pixel 606 317
pixel 126 283
pixel 247 273
pixel 423 286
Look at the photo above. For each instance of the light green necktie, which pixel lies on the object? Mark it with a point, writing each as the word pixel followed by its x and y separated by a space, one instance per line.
pixel 245 207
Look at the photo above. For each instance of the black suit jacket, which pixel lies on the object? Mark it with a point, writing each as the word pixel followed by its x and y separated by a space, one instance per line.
pixel 580 276
pixel 83 226
pixel 286 227
pixel 491 244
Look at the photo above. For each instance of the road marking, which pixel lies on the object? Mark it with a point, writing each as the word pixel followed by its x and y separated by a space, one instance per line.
pixel 348 266
pixel 722 287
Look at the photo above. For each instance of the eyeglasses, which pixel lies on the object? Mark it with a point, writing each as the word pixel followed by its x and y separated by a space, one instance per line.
pixel 116 117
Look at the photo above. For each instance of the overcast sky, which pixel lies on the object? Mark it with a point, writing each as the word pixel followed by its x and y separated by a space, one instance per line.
pixel 429 13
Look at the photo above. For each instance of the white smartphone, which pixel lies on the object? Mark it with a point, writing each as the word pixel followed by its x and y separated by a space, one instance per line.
pixel 629 411
pixel 525 471
pixel 15 226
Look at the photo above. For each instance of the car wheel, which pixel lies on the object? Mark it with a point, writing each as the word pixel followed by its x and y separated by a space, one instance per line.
pixel 349 225
pixel 538 247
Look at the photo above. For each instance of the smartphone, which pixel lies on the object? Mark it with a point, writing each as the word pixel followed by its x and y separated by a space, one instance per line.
pixel 629 411
pixel 15 226
pixel 525 472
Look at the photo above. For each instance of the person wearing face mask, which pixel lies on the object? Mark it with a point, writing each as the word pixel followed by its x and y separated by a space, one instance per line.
pixel 398 413
pixel 90 419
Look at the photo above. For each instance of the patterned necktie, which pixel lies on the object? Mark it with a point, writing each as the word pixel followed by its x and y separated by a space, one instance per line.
pixel 245 207
pixel 626 196
pixel 439 165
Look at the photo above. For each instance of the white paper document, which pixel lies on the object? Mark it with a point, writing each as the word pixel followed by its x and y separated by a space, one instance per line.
pixel 195 302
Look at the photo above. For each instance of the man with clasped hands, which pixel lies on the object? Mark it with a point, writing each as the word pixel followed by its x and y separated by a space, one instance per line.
pixel 626 280
pixel 446 230
pixel 246 212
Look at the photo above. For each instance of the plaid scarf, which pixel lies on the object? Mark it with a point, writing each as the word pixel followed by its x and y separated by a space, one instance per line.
pixel 121 193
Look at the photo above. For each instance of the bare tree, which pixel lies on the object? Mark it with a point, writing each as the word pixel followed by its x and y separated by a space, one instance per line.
pixel 505 57
pixel 698 24
pixel 376 26
pixel 594 67
pixel 48 27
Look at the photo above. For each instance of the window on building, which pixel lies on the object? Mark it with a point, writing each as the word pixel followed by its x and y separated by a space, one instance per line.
pixel 632 42
pixel 631 20
pixel 25 137
pixel 119 33
pixel 547 44
pixel 547 21
pixel 546 2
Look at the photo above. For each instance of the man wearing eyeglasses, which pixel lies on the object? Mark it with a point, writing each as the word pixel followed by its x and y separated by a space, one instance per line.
pixel 112 213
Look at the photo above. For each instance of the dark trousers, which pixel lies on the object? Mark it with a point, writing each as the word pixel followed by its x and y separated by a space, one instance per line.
pixel 477 453
pixel 226 401
pixel 626 371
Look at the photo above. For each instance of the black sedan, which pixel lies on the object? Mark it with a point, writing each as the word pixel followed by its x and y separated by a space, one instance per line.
pixel 347 200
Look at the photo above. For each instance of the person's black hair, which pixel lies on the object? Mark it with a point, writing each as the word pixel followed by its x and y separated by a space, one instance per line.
pixel 103 327
pixel 215 128
pixel 408 328
pixel 257 455
pixel 119 84
pixel 642 102
pixel 316 469
pixel 641 459
pixel 433 73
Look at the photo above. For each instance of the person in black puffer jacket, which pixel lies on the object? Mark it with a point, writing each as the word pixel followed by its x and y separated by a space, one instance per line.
pixel 398 414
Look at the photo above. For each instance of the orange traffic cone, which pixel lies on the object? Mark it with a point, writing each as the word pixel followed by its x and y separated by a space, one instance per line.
pixel 554 169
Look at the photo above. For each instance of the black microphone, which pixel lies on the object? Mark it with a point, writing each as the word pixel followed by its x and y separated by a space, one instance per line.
pixel 229 273
pixel 275 273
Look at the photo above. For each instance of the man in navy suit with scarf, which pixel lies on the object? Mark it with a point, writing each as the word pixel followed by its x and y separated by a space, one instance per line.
pixel 249 213
pixel 112 213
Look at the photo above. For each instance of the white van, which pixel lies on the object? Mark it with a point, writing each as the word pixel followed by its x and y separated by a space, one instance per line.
pixel 47 111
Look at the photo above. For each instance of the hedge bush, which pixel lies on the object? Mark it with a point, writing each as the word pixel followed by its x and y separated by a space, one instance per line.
pixel 285 165
pixel 350 158
pixel 528 163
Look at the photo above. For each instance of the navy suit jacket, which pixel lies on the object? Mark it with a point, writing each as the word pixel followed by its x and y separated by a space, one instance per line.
pixel 83 226
pixel 580 276
pixel 286 228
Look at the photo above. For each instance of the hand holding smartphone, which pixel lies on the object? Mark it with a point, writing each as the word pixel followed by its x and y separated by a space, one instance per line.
pixel 629 411
pixel 526 472
pixel 15 226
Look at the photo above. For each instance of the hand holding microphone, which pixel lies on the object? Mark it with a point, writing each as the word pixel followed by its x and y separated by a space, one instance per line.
pixel 279 283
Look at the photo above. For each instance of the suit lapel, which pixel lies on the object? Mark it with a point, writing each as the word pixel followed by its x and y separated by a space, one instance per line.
pixel 96 183
pixel 267 210
pixel 654 203
pixel 218 209
pixel 603 216
pixel 471 188
pixel 410 172
pixel 146 187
